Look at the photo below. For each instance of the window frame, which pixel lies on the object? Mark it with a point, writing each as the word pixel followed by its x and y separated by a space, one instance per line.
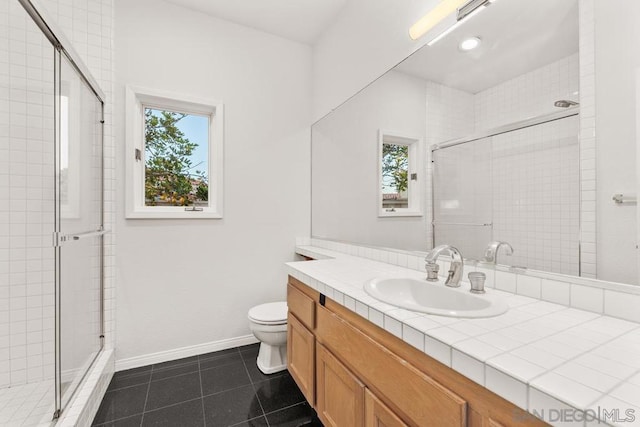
pixel 414 187
pixel 137 100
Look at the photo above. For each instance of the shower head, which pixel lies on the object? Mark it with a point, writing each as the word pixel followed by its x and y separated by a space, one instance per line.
pixel 565 103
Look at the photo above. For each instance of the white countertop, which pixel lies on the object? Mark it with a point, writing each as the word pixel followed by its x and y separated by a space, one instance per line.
pixel 546 358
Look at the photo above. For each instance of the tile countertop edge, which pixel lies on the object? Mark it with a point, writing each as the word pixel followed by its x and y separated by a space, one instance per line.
pixel 525 393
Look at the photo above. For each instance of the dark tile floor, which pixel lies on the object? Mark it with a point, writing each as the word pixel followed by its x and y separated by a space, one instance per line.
pixel 224 388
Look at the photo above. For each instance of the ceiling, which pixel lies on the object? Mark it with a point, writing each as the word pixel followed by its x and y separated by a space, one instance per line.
pixel 517 36
pixel 299 20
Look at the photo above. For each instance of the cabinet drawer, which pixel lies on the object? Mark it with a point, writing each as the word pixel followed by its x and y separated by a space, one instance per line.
pixel 414 396
pixel 302 306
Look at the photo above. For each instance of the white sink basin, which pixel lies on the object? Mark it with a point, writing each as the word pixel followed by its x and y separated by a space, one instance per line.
pixel 435 298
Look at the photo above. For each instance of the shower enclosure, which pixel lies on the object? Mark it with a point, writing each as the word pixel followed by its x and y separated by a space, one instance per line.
pixel 519 183
pixel 51 218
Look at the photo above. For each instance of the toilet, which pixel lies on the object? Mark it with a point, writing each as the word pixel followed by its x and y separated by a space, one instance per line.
pixel 268 322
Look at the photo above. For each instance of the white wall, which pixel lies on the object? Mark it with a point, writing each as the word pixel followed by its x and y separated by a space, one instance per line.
pixel 367 38
pixel 181 282
pixel 345 165
pixel 617 50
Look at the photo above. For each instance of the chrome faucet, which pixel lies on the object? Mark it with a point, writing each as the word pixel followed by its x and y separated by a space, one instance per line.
pixel 455 268
pixel 491 252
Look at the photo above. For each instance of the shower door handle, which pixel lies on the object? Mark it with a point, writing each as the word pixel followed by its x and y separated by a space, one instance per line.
pixel 96 233
pixel 59 238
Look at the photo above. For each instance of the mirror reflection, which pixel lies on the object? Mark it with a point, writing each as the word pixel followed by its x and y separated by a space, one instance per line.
pixel 498 112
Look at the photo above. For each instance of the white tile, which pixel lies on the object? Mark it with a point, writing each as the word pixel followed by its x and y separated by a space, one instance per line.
pixel 393 326
pixel 538 357
pixel 376 317
pixel 506 281
pixel 606 366
pixel 338 297
pixel 507 387
pixel 627 392
pixel 553 411
pixel 438 350
pixel 587 376
pixel 413 337
pixel 350 303
pixel 519 368
pixel 468 366
pixel 422 323
pixel 362 309
pixel 567 390
pixel 622 305
pixel 587 298
pixel 528 286
pixel 477 349
pixel 500 341
pixel 556 292
pixel 402 314
pixel 447 335
pixel 616 412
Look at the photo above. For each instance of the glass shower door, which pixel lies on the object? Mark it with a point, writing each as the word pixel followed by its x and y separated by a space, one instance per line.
pixel 462 197
pixel 80 222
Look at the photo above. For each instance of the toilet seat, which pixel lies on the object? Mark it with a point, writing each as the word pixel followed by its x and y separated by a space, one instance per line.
pixel 273 313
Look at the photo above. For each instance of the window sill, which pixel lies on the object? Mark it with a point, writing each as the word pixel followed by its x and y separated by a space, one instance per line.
pixel 399 212
pixel 173 214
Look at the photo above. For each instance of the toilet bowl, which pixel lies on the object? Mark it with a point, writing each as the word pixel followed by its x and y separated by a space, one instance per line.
pixel 268 322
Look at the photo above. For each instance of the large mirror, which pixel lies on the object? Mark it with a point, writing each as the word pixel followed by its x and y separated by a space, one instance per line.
pixel 528 138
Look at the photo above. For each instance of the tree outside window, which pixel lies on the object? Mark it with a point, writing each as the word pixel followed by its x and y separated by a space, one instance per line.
pixel 176 167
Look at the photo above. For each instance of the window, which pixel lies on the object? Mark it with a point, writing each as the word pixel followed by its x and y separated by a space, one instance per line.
pixel 174 156
pixel 399 186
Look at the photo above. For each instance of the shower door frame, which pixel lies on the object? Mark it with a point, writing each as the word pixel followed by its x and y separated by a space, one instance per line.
pixel 63 47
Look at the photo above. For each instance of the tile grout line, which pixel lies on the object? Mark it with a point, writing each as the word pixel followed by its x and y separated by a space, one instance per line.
pixel 204 416
pixel 244 363
pixel 288 407
pixel 146 399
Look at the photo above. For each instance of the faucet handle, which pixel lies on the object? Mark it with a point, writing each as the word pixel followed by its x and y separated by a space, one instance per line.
pixel 432 271
pixel 477 282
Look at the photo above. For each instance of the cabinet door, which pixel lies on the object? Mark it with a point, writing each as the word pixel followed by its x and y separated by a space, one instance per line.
pixel 340 396
pixel 377 414
pixel 301 357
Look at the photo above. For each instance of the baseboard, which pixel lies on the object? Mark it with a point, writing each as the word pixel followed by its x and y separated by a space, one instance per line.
pixel 178 353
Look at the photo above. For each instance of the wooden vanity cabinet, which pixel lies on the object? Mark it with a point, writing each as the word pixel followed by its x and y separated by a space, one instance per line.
pixel 356 374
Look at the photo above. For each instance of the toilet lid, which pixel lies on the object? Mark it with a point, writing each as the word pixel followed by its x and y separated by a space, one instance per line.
pixel 270 313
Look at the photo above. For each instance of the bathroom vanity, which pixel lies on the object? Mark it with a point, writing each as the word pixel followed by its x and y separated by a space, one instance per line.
pixel 356 374
pixel 363 362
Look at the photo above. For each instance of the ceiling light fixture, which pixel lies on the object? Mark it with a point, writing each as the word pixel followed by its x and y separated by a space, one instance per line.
pixel 434 17
pixel 454 12
pixel 469 43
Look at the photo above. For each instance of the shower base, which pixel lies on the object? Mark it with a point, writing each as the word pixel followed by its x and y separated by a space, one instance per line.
pixel 29 405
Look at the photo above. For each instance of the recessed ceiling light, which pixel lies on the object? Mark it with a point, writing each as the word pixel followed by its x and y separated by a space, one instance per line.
pixel 469 43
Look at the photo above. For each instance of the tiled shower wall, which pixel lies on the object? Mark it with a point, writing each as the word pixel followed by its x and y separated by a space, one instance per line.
pixel 26 177
pixel 536 195
pixel 26 200
pixel 528 95
pixel 514 174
